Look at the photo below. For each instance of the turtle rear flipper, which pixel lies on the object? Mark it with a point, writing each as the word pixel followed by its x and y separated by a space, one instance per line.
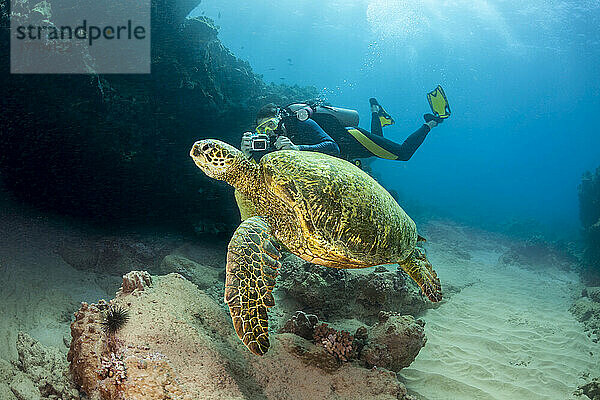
pixel 252 263
pixel 421 271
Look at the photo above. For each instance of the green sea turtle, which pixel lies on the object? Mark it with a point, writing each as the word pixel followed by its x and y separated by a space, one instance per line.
pixel 321 208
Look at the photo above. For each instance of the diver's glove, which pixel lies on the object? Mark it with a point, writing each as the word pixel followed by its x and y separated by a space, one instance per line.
pixel 246 145
pixel 284 143
pixel 430 117
pixel 432 121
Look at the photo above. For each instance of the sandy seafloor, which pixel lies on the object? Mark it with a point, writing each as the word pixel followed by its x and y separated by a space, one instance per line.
pixel 38 291
pixel 503 332
pixel 508 334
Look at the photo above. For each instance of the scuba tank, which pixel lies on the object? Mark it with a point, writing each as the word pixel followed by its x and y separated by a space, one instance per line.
pixel 333 120
pixel 304 111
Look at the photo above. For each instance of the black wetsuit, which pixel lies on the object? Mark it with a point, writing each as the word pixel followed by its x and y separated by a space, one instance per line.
pixel 357 143
pixel 307 135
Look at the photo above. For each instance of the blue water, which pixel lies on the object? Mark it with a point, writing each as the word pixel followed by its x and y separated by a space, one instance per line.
pixel 522 79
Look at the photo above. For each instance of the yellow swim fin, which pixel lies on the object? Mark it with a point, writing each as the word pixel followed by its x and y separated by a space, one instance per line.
pixel 384 118
pixel 439 103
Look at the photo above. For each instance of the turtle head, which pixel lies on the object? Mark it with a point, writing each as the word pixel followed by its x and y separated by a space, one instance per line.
pixel 217 159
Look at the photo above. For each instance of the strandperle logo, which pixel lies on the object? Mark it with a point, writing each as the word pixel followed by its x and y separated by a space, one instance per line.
pixel 80 37
pixel 89 33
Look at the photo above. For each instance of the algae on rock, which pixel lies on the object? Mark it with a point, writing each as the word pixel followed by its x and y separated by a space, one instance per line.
pixel 340 294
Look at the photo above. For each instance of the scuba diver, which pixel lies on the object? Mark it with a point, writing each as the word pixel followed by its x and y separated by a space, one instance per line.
pixel 312 126
pixel 275 130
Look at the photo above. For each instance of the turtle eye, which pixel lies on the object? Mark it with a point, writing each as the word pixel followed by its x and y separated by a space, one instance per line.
pixel 205 147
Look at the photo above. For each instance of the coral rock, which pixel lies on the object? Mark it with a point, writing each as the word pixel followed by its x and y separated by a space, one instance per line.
pixel 590 389
pixel 24 388
pixel 394 341
pixel 301 324
pixel 593 293
pixel 335 294
pixel 42 372
pixel 138 378
pixel 310 354
pixel 537 253
pixel 87 345
pixel 136 280
pixel 180 344
pixel 6 393
pixel 203 276
pixel 336 343
pixel 588 313
pixel 293 370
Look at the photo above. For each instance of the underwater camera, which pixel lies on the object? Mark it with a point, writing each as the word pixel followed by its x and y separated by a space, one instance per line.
pixel 260 142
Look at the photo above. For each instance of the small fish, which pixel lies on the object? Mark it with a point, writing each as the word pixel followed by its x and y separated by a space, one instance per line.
pixel 219 16
pixel 272 69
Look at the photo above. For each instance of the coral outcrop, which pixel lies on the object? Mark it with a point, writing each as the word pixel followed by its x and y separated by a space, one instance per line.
pixel 587 310
pixel 538 253
pixel 394 342
pixel 590 389
pixel 179 344
pixel 135 280
pixel 301 324
pixel 337 294
pixel 114 369
pixel 593 293
pixel 39 373
pixel 589 213
pixel 338 343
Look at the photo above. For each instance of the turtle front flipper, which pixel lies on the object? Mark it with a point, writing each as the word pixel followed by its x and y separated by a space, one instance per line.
pixel 421 271
pixel 252 263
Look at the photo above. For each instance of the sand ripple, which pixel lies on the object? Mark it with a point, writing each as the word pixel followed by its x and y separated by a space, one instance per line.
pixel 509 335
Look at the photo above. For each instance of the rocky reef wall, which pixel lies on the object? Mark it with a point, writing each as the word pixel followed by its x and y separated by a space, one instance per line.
pixel 589 212
pixel 114 147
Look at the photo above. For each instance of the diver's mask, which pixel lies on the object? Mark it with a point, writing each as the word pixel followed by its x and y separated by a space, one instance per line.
pixel 264 136
pixel 269 126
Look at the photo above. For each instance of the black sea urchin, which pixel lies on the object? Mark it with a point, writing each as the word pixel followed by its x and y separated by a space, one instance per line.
pixel 114 319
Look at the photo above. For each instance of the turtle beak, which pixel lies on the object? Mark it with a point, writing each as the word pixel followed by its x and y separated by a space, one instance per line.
pixel 198 152
pixel 199 149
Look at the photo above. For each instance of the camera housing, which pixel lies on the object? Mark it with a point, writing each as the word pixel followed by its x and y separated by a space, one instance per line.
pixel 260 142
